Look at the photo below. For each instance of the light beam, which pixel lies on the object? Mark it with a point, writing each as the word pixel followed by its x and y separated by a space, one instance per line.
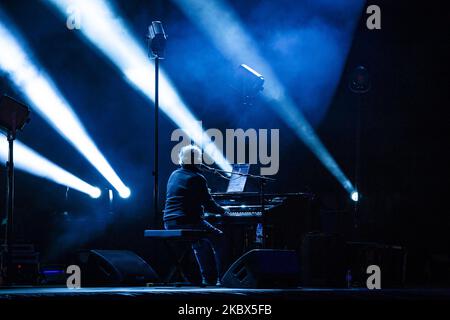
pixel 29 161
pixel 101 26
pixel 222 25
pixel 44 97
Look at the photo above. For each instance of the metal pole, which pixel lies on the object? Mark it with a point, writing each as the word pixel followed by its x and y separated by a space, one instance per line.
pixel 9 209
pixel 357 159
pixel 156 146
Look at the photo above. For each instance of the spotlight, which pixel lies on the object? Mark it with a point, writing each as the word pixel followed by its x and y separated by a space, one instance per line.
pixel 250 84
pixel 46 99
pixel 359 81
pixel 125 193
pixel 253 81
pixel 96 193
pixel 355 196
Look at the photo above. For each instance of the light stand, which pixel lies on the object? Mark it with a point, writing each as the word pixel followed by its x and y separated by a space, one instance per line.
pixel 157 42
pixel 13 116
pixel 262 181
pixel 359 83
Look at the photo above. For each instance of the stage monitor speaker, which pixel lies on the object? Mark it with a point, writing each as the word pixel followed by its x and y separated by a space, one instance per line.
pixel 114 267
pixel 264 268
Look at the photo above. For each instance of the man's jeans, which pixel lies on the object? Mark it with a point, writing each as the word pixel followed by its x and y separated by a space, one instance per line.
pixel 208 251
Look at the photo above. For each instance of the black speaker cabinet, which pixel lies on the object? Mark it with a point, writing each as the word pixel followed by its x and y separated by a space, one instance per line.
pixel 390 259
pixel 264 268
pixel 114 267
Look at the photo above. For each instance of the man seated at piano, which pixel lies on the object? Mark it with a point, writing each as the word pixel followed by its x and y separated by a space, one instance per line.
pixel 187 197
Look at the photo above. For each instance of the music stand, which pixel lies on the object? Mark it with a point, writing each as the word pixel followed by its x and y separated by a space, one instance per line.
pixel 262 183
pixel 13 116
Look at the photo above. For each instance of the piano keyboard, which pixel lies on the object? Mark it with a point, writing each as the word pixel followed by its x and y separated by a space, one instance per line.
pixel 245 214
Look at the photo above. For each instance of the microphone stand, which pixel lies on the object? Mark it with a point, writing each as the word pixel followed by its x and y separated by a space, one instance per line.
pixel 156 141
pixel 157 42
pixel 262 183
pixel 9 235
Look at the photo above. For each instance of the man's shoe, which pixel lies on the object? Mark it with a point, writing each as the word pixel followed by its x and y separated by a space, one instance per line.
pixel 211 284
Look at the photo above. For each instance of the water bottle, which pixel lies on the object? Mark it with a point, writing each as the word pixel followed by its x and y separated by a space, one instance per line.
pixel 348 278
pixel 259 233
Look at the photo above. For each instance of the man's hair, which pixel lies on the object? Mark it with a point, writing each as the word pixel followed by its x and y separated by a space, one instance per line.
pixel 190 154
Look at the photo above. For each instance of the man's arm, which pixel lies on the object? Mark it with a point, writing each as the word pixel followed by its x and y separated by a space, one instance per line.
pixel 207 200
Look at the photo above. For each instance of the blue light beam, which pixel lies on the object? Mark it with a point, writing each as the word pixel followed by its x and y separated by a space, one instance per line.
pixel 29 161
pixel 26 74
pixel 222 25
pixel 101 26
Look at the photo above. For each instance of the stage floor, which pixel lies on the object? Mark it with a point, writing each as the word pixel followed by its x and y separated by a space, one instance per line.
pixel 218 294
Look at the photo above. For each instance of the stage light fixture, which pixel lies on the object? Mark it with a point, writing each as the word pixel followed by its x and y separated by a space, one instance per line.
pixel 355 196
pixel 44 97
pixel 359 81
pixel 252 80
pixel 125 193
pixel 250 84
pixel 102 27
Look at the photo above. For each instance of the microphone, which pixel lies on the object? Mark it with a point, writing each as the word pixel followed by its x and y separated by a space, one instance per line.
pixel 157 38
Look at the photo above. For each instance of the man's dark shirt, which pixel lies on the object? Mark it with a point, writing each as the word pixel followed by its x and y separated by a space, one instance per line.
pixel 188 195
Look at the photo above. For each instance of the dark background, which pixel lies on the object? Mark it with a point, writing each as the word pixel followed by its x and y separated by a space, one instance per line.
pixel 403 168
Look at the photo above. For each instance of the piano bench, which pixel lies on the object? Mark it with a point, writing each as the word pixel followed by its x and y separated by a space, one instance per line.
pixel 177 235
